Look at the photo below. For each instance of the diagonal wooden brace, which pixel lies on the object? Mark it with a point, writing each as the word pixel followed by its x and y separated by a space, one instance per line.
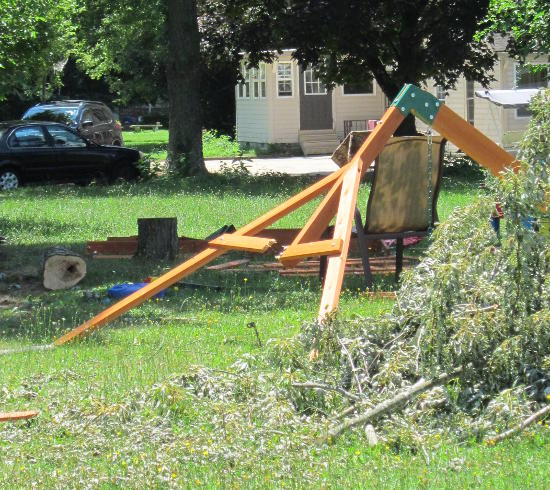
pixel 319 220
pixel 311 249
pixel 231 241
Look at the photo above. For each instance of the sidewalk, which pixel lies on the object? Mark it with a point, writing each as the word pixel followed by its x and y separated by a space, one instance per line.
pixel 314 165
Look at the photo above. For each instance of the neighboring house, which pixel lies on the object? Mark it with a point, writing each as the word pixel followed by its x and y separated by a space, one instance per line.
pixel 280 103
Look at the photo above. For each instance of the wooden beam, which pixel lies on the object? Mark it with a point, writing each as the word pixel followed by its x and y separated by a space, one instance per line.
pixel 472 141
pixel 311 249
pixel 230 241
pixel 369 150
pixel 13 416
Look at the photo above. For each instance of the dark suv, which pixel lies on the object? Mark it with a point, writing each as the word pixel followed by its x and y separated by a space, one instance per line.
pixel 93 120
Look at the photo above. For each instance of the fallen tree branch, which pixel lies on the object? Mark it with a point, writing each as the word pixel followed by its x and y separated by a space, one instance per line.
pixel 518 428
pixel 326 387
pixel 389 405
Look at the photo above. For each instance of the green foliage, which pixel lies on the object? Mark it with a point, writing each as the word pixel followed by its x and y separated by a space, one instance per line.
pixel 35 36
pixel 126 45
pixel 396 42
pixel 460 165
pixel 527 23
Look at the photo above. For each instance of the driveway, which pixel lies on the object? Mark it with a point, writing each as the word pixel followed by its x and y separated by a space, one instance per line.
pixel 313 165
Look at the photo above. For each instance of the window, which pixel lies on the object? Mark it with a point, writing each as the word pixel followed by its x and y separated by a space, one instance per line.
pixel 529 76
pixel 88 115
pixel 100 116
pixel 257 79
pixel 365 87
pixel 244 86
pixel 440 93
pixel 470 101
pixel 284 79
pixel 30 137
pixel 253 84
pixel 312 84
pixel 64 137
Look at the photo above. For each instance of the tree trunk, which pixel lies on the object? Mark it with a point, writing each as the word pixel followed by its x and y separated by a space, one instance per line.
pixel 157 238
pixel 61 268
pixel 183 81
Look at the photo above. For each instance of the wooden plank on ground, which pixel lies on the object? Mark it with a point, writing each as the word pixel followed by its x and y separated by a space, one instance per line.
pixel 227 265
pixel 14 416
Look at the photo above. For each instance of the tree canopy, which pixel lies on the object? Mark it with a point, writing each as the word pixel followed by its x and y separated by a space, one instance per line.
pixel 526 23
pixel 395 41
pixel 35 39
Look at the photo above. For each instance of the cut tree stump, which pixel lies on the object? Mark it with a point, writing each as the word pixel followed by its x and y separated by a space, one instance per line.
pixel 62 268
pixel 157 238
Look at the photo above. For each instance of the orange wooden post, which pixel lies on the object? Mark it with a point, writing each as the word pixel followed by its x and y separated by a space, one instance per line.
pixel 472 141
pixel 346 208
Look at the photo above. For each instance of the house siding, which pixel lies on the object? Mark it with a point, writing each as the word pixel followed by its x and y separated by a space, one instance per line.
pixel 252 120
pixel 277 119
pixel 356 107
pixel 285 111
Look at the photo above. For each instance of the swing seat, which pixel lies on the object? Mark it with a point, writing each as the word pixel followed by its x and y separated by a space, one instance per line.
pixel 397 206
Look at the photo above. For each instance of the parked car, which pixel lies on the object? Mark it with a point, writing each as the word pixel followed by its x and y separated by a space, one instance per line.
pixel 33 151
pixel 93 120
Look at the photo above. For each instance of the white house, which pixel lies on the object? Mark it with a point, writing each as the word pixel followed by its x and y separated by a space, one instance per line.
pixel 279 103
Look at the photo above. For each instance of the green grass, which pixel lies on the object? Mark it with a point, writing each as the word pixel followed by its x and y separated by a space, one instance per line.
pixel 155 144
pixel 98 425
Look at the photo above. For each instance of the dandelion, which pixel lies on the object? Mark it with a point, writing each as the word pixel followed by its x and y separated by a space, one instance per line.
pixel 205 453
pixel 245 279
pixel 357 453
pixel 174 476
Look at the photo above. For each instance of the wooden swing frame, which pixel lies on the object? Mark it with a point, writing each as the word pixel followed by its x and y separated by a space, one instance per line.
pixel 341 189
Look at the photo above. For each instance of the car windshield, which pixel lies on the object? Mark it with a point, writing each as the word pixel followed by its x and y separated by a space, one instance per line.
pixel 57 114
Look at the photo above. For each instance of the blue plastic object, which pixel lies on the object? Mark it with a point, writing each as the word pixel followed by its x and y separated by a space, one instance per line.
pixel 122 290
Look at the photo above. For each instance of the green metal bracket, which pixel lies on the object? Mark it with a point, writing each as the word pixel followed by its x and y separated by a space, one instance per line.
pixel 423 105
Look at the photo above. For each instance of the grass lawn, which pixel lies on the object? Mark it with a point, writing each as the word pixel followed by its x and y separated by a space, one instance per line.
pixel 155 143
pixel 109 414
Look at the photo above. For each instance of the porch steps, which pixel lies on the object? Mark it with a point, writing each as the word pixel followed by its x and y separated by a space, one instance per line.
pixel 318 142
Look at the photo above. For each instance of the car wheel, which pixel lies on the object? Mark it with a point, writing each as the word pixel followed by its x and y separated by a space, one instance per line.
pixel 127 172
pixel 9 179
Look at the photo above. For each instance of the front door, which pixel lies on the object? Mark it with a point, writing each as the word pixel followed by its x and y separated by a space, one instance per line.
pixel 315 102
